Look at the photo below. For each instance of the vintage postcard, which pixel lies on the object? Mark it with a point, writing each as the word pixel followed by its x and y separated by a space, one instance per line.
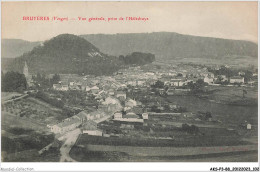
pixel 129 82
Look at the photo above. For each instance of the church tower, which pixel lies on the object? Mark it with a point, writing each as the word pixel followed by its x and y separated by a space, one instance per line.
pixel 27 75
pixel 25 70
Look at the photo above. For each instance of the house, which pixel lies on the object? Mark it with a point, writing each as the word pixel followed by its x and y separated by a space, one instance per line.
pixel 121 94
pixel 127 108
pixel 94 89
pixel 172 106
pixel 66 125
pixel 101 94
pixel 96 115
pixel 249 126
pixel 87 88
pixel 209 79
pixel 103 107
pixel 178 82
pixel 56 86
pixel 111 100
pixel 161 91
pixel 211 75
pixel 236 79
pixel 117 115
pixel 223 77
pixel 130 103
pixel 64 87
pixel 90 128
pixel 111 92
pixel 82 116
pixel 131 115
pixel 114 107
pixel 145 115
pixel 71 83
pixel 241 73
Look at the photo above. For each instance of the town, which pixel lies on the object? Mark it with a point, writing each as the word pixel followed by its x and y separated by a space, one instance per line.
pixel 135 106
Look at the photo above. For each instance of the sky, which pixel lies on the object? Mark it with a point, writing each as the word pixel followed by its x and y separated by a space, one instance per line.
pixel 229 20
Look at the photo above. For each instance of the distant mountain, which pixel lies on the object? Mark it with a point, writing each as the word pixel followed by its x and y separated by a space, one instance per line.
pixel 66 53
pixel 5 62
pixel 12 48
pixel 172 45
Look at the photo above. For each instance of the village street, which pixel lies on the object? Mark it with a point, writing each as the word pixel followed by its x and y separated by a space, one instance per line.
pixel 70 139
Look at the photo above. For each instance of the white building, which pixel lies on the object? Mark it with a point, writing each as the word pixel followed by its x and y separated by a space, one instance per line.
pixel 131 103
pixel 64 87
pixel 66 125
pixel 145 115
pixel 236 79
pixel 117 115
pixel 90 128
pixel 121 94
pixel 208 80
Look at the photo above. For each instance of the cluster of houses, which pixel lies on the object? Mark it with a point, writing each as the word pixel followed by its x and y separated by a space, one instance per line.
pixel 138 77
pixel 111 92
pixel 85 120
pixel 75 121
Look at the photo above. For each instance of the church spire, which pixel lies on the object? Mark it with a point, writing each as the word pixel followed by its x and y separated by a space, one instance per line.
pixel 25 70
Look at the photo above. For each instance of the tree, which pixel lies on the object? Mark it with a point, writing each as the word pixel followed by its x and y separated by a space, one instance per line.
pixel 158 84
pixel 244 93
pixel 179 75
pixel 208 115
pixel 185 127
pixel 190 129
pixel 191 85
pixel 248 76
pixel 196 87
pixel 155 109
pixel 194 129
pixel 55 79
pixel 13 81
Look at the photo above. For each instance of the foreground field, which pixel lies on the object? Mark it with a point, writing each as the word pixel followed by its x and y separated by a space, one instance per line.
pixel 25 132
pixel 191 154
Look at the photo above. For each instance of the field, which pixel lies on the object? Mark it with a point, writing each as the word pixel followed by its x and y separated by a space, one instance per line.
pixel 25 132
pixel 34 109
pixel 233 95
pixel 87 151
pixel 185 141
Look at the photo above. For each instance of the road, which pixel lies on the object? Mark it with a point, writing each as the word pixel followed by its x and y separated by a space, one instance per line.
pixel 70 139
pixel 11 100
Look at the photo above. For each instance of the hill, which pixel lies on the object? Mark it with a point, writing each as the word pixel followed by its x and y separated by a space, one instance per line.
pixel 72 54
pixel 172 45
pixel 12 48
pixel 66 53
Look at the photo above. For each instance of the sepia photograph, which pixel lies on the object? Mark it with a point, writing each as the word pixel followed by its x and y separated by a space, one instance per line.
pixel 129 82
